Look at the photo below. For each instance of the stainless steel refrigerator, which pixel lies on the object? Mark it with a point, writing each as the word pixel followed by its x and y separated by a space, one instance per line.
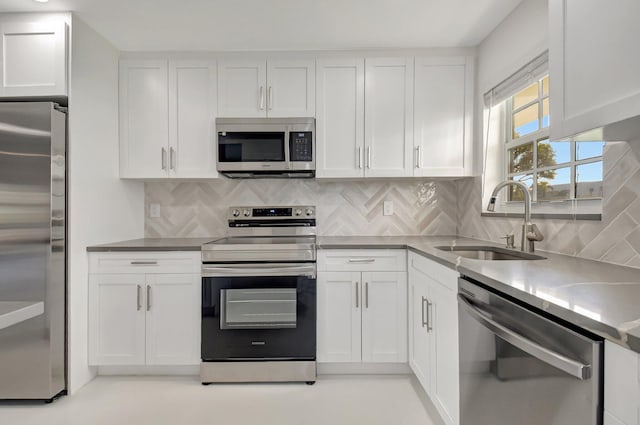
pixel 32 250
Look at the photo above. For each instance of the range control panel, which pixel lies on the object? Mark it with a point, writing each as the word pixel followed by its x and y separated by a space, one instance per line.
pixel 275 213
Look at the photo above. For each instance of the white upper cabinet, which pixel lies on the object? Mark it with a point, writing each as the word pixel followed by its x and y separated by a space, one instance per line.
pixel 167 119
pixel 192 112
pixel 242 88
pixel 594 63
pixel 442 117
pixel 388 130
pixel 291 89
pixel 260 88
pixel 34 58
pixel 340 118
pixel 144 119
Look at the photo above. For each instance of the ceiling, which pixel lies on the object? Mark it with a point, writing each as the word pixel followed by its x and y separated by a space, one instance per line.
pixel 223 25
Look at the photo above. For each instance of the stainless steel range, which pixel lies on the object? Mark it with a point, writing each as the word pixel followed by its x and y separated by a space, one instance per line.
pixel 259 297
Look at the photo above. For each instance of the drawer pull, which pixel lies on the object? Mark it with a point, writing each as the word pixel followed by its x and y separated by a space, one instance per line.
pixel 144 263
pixel 362 260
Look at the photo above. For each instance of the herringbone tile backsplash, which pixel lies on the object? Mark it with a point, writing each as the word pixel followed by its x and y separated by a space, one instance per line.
pixel 615 239
pixel 192 209
pixel 422 207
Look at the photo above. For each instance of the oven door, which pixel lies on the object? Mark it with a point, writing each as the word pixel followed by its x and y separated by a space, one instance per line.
pixel 258 312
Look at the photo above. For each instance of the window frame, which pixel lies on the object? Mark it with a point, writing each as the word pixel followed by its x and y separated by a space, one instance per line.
pixel 535 137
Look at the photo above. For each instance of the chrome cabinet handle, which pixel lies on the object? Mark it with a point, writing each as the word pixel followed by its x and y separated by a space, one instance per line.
pixel 418 157
pixel 366 294
pixel 144 263
pixel 172 159
pixel 362 260
pixel 572 367
pixel 422 312
pixel 270 97
pixel 261 98
pixel 148 297
pixel 357 295
pixel 369 157
pixel 164 159
pixel 138 303
pixel 429 324
pixel 359 157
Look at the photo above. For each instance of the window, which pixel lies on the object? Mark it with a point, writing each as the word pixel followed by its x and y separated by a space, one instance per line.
pixel 553 170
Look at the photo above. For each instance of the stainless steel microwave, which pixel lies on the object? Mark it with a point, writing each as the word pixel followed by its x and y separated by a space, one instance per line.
pixel 266 147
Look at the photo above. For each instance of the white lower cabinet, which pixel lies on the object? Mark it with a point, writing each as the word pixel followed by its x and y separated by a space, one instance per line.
pixel 362 315
pixel 145 316
pixel 433 333
pixel 621 385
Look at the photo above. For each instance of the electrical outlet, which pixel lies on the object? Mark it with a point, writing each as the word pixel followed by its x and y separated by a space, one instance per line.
pixel 387 208
pixel 154 210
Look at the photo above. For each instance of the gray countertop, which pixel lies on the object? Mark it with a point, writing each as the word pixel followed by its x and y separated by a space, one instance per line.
pixel 154 244
pixel 600 297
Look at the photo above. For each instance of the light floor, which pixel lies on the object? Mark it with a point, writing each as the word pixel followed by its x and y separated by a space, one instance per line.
pixel 333 400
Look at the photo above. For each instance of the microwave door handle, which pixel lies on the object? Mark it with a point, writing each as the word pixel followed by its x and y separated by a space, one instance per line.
pixel 567 365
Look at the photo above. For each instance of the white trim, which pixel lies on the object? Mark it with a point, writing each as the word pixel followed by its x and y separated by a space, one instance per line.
pixel 363 369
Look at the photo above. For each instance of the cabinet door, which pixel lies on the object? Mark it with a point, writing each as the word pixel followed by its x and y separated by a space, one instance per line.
pixel 340 118
pixel 339 317
pixel 442 316
pixel 384 317
pixel 116 319
pixel 442 118
pixel 291 88
pixel 34 59
pixel 242 90
pixel 418 332
pixel 621 384
pixel 173 319
pixel 144 119
pixel 594 68
pixel 388 119
pixel 192 112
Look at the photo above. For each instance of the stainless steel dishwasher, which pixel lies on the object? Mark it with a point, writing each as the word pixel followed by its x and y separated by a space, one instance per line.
pixel 518 367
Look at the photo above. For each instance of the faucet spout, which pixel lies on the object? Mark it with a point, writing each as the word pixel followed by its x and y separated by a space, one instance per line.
pixel 530 232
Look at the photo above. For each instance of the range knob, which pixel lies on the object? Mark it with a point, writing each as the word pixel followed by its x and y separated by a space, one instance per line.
pixel 309 212
pixel 298 212
pixel 247 213
pixel 235 213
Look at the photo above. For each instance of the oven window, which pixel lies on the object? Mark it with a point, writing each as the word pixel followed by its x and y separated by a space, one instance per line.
pixel 258 308
pixel 251 146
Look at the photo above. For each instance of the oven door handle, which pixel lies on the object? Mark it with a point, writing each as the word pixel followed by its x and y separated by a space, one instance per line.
pixel 259 270
pixel 570 366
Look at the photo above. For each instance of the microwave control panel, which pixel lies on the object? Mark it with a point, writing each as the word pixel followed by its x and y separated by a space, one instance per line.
pixel 301 146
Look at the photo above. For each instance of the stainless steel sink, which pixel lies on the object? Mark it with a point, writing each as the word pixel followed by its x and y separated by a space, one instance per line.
pixel 489 253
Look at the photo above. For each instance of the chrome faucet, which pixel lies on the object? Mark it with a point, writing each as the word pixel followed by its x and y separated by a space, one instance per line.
pixel 530 232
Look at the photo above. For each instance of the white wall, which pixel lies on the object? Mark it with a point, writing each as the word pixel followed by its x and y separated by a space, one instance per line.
pixel 102 208
pixel 520 37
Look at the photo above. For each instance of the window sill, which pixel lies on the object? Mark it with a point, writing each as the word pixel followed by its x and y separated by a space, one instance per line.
pixel 546 216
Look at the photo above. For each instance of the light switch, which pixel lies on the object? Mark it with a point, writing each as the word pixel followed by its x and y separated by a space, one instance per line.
pixel 387 208
pixel 154 210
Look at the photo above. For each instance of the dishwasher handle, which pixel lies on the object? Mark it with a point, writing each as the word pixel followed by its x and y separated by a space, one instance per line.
pixel 564 363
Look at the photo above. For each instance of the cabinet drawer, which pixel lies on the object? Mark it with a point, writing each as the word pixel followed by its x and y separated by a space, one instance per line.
pixel 362 260
pixel 442 274
pixel 145 262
